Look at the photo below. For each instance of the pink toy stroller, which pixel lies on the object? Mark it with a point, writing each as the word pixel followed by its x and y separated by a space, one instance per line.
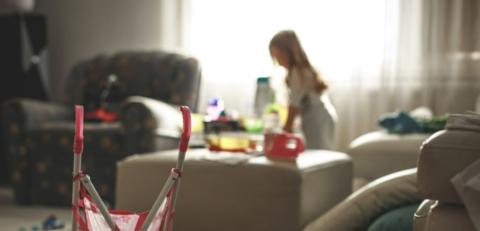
pixel 91 214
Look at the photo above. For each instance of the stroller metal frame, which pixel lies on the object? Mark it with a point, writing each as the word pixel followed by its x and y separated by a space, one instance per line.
pixel 166 197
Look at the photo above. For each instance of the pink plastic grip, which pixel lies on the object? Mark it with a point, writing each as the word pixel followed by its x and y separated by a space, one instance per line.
pixel 78 139
pixel 187 128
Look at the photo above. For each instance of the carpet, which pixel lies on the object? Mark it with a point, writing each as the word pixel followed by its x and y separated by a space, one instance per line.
pixel 16 218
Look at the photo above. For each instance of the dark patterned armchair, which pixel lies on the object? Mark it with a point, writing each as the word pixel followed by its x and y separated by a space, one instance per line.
pixel 38 135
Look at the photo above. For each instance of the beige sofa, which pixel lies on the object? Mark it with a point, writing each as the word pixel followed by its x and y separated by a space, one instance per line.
pixel 236 193
pixel 376 154
pixel 442 157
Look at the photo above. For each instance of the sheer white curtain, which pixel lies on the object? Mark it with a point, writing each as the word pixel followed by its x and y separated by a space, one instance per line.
pixel 377 55
pixel 450 54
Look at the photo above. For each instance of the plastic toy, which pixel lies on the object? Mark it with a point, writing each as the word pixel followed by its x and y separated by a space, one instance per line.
pixel 91 214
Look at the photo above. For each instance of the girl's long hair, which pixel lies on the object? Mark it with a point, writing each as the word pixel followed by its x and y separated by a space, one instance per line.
pixel 287 42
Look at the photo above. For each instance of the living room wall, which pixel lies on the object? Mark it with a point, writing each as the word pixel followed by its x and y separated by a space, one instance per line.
pixel 80 29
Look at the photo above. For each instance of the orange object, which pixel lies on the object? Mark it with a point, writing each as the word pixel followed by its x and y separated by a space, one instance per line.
pixel 233 142
pixel 101 114
pixel 230 142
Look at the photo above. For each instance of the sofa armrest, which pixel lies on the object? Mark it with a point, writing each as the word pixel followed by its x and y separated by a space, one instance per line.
pixel 442 156
pixel 145 120
pixel 27 114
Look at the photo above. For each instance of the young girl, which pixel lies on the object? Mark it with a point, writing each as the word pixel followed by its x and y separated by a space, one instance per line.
pixel 306 92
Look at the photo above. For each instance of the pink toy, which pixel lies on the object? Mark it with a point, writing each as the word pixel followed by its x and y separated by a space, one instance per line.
pixel 91 214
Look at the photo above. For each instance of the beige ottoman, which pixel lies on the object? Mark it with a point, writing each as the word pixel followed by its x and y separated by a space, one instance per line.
pixel 254 193
pixel 378 153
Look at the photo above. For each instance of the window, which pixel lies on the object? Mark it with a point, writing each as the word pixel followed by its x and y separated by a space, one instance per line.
pixel 231 40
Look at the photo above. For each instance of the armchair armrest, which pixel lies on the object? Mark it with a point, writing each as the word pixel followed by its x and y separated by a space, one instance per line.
pixel 145 119
pixel 27 114
pixel 19 117
pixel 142 113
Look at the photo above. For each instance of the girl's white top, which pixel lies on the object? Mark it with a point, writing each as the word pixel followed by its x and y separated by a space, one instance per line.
pixel 318 116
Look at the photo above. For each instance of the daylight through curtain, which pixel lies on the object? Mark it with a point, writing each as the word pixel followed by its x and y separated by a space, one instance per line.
pixel 378 56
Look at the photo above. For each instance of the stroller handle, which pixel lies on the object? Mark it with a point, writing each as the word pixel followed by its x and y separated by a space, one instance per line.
pixel 187 128
pixel 78 139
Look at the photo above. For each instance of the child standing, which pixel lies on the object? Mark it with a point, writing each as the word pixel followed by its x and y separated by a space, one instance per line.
pixel 306 92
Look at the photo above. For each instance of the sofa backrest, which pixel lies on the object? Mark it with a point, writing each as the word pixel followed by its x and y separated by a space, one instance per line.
pixel 169 77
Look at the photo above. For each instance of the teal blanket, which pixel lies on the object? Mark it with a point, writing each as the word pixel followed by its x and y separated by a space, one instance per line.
pixel 398 219
pixel 403 123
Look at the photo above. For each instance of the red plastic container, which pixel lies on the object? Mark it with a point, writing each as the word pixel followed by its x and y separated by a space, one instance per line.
pixel 283 145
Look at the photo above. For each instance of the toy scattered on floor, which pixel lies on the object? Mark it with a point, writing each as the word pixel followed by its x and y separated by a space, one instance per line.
pixel 34 228
pixel 52 223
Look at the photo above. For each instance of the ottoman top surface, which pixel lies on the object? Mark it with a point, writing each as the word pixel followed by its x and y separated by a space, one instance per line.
pixel 310 159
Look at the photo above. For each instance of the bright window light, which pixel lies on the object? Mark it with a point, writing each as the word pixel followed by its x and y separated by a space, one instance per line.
pixel 231 40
